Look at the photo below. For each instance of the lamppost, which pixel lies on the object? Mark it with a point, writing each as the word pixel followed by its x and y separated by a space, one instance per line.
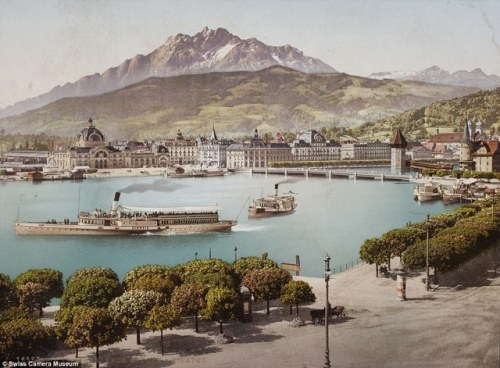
pixel 327 311
pixel 427 281
pixel 235 254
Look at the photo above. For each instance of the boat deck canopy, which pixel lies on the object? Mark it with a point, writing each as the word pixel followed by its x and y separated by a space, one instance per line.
pixel 170 210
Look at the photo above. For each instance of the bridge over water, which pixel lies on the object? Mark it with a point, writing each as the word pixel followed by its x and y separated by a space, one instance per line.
pixel 327 173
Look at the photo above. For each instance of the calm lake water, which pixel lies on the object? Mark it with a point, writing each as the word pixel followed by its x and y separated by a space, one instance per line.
pixel 333 216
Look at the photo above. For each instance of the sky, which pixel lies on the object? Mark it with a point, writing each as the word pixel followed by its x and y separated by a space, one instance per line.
pixel 45 43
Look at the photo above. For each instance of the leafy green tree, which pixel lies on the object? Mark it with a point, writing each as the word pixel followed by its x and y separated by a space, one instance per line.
pixel 92 272
pixel 398 240
pixel 245 265
pixel 33 296
pixel 64 322
pixel 8 295
pixel 94 327
pixel 222 305
pixel 13 313
pixel 374 251
pixel 162 317
pixel 49 279
pixel 297 292
pixel 24 337
pixel 189 299
pixel 133 307
pixel 91 292
pixel 152 282
pixel 209 272
pixel 266 283
pixel 137 273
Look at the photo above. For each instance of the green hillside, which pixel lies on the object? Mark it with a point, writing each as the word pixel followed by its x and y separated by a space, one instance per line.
pixel 273 99
pixel 447 116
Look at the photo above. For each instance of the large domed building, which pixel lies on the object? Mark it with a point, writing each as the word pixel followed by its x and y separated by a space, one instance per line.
pixel 90 136
pixel 91 151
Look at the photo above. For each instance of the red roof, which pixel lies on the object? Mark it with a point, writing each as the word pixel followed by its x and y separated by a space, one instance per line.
pixel 446 138
pixel 492 148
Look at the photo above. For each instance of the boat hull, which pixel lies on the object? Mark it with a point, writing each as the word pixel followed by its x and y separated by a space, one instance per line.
pixel 33 228
pixel 267 212
pixel 428 197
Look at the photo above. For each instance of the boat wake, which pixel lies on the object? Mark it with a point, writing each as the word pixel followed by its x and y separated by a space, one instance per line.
pixel 248 228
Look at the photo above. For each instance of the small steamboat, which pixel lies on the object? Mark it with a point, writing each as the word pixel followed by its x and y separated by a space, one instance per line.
pixel 272 205
pixel 127 220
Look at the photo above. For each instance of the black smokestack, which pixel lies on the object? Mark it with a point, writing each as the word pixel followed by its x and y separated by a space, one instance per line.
pixel 114 206
pixel 276 189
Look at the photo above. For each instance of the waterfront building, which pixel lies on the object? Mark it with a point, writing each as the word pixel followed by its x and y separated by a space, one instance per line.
pixel 212 151
pixel 257 153
pixel 312 146
pixel 93 151
pixel 398 150
pixel 419 152
pixel 487 157
pixel 24 160
pixel 365 151
pixel 182 151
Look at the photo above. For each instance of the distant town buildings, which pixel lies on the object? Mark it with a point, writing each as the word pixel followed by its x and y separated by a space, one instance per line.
pixel 92 151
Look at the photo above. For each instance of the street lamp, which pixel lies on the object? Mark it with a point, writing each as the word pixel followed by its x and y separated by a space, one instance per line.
pixel 427 281
pixel 327 311
pixel 235 254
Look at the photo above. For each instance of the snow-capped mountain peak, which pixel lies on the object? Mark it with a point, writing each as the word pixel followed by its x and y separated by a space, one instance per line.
pixel 210 50
pixel 435 74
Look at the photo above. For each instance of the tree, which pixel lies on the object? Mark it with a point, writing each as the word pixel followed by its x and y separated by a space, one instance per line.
pixel 134 276
pixel 95 292
pixel 94 327
pixel 51 279
pixel 24 337
pixel 133 306
pixel 92 272
pixel 222 305
pixel 297 292
pixel 8 295
pixel 189 299
pixel 245 265
pixel 208 272
pixel 33 296
pixel 374 251
pixel 162 317
pixel 398 240
pixel 13 313
pixel 266 283
pixel 64 322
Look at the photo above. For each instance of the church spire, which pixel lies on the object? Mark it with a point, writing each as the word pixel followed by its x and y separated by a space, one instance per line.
pixel 466 135
pixel 214 135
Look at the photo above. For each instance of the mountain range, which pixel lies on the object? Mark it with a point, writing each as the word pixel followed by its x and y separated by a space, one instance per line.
pixel 273 99
pixel 434 74
pixel 207 51
pixel 215 77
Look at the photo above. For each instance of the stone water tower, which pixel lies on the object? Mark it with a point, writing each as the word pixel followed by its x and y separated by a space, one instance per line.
pixel 398 150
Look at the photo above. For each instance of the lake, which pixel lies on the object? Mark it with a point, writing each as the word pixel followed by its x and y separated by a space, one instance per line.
pixel 333 216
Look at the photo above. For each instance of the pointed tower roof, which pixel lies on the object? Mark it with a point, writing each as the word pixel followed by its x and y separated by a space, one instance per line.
pixel 214 135
pixel 466 135
pixel 398 140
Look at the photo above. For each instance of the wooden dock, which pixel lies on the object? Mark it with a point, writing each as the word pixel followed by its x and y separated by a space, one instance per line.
pixel 327 173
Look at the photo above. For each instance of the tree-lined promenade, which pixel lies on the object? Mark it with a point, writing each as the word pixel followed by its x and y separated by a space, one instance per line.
pixel 96 309
pixel 451 238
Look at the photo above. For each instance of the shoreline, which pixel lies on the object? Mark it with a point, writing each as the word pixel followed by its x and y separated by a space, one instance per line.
pixel 437 328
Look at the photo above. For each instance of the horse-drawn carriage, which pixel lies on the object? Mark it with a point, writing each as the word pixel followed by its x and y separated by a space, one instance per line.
pixel 337 312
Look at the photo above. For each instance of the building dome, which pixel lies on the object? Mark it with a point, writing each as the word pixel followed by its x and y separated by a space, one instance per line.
pixel 90 136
